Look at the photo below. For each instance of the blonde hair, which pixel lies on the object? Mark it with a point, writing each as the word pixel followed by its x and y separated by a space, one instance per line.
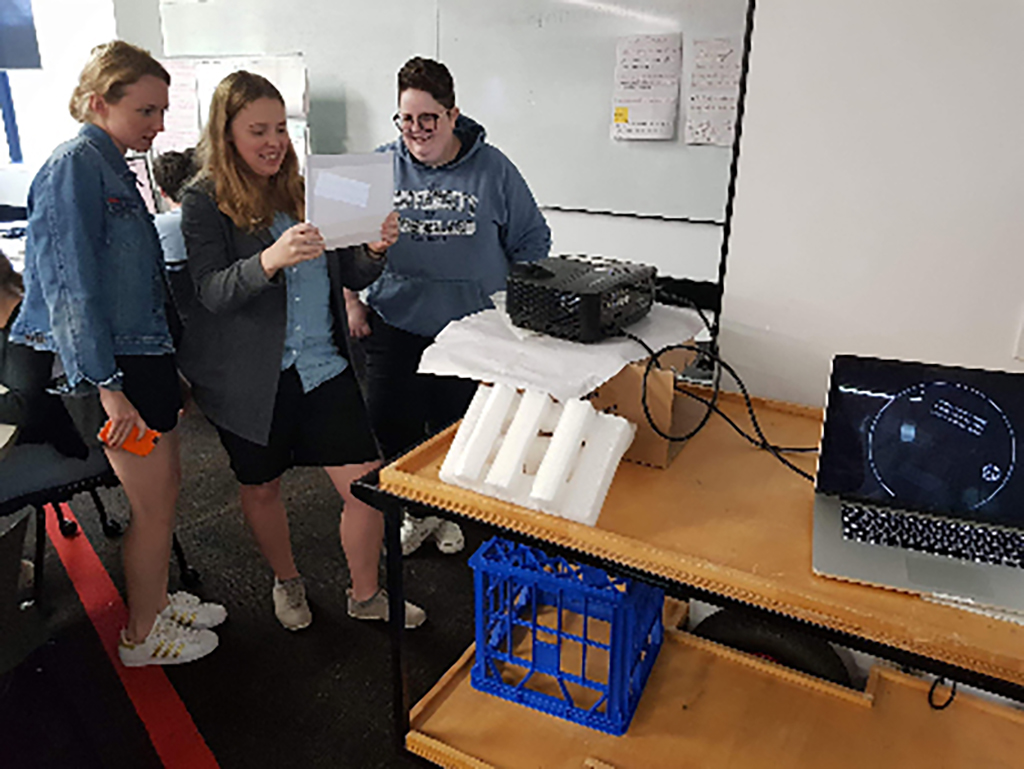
pixel 111 68
pixel 241 194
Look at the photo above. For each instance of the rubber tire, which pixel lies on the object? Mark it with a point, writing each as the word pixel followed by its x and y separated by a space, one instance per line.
pixel 779 640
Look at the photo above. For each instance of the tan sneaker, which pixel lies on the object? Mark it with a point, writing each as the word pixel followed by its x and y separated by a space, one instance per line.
pixel 376 607
pixel 448 537
pixel 416 531
pixel 290 604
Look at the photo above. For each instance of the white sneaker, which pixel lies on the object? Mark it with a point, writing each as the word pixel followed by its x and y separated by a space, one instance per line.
pixel 188 610
pixel 168 643
pixel 448 537
pixel 290 604
pixel 416 531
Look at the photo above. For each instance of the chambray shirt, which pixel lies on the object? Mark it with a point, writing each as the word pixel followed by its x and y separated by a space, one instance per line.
pixel 308 343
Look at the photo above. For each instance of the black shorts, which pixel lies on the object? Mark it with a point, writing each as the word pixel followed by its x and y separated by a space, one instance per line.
pixel 326 427
pixel 151 385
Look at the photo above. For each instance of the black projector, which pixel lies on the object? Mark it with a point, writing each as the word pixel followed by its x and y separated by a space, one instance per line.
pixel 584 299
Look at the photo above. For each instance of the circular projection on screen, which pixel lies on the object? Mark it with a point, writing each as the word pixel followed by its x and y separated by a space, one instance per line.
pixel 942 446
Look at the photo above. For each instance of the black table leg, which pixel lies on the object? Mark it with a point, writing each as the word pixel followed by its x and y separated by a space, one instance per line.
pixel 396 621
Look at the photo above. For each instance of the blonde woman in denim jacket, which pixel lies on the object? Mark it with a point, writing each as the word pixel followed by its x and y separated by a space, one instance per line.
pixel 95 295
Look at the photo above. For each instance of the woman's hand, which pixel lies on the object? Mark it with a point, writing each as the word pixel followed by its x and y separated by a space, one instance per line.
pixel 124 417
pixel 356 311
pixel 297 244
pixel 388 235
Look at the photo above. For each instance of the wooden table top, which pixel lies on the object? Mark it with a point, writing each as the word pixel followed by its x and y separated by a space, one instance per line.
pixel 729 518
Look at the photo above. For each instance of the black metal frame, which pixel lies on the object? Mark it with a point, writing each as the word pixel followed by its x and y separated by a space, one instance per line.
pixel 58 495
pixel 393 506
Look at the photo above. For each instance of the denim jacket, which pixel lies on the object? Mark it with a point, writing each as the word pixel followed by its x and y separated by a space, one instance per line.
pixel 94 286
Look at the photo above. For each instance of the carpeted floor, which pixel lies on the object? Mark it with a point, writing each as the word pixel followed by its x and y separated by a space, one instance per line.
pixel 266 697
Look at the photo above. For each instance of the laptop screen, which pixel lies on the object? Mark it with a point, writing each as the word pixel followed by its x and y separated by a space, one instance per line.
pixel 925 438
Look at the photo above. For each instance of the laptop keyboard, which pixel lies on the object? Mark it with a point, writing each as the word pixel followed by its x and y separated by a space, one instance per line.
pixel 966 541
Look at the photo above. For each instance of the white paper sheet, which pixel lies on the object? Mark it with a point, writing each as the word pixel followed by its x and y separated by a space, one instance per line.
pixel 483 347
pixel 287 73
pixel 349 196
pixel 646 97
pixel 714 91
pixel 181 123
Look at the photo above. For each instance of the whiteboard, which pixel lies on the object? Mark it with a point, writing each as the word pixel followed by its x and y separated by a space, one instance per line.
pixel 529 70
pixel 352 51
pixel 538 74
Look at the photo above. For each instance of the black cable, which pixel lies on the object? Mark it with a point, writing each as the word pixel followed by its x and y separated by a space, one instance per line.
pixel 766 444
pixel 931 694
pixel 744 433
pixel 642 343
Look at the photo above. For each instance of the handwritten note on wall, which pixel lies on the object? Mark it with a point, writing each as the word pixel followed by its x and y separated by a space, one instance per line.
pixel 714 91
pixel 182 120
pixel 648 69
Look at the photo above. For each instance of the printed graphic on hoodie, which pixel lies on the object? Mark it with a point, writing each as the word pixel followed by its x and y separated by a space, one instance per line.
pixel 436 200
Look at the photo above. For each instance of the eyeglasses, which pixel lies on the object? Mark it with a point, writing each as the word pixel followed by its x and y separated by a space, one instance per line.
pixel 426 122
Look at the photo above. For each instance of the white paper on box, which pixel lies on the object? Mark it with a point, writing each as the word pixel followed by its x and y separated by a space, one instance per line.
pixel 349 196
pixel 485 348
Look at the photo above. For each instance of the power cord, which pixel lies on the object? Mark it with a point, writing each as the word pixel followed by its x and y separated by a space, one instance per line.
pixel 712 405
pixel 757 443
pixel 949 699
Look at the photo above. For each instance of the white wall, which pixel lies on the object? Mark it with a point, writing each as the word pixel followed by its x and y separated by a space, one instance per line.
pixel 881 188
pixel 353 51
pixel 680 249
pixel 138 22
pixel 66 32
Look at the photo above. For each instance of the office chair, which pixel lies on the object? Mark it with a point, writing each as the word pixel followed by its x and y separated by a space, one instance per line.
pixel 37 475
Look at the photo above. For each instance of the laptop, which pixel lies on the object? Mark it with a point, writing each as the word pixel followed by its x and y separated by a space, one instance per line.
pixel 919 485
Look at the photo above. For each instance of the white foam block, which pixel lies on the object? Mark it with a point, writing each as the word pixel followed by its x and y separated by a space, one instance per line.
pixel 589 481
pixel 565 446
pixel 522 432
pixel 586 468
pixel 458 447
pixel 486 431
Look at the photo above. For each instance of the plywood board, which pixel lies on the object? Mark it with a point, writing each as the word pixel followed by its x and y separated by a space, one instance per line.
pixel 729 518
pixel 707 706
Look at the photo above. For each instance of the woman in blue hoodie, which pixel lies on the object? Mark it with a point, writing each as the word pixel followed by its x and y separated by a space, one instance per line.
pixel 466 215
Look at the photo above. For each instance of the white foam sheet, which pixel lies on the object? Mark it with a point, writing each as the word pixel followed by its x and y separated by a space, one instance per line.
pixel 349 196
pixel 565 474
pixel 484 348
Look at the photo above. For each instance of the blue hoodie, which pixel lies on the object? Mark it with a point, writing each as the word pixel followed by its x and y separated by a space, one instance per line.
pixel 462 225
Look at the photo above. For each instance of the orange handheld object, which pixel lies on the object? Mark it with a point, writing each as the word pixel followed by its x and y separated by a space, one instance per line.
pixel 141 445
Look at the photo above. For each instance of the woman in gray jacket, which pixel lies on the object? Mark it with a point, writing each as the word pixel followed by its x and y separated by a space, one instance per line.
pixel 264 348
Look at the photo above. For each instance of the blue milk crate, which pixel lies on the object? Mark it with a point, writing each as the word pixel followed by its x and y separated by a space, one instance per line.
pixel 563 638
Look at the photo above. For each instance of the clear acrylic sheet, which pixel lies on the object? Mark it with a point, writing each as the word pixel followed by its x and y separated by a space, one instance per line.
pixel 349 196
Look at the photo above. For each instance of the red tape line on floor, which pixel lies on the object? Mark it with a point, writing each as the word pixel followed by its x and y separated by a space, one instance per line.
pixel 174 735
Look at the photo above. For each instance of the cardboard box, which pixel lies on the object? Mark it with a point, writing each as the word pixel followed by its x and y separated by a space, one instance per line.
pixel 672 412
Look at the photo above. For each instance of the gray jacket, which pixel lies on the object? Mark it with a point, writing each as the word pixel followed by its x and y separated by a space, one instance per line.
pixel 232 345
